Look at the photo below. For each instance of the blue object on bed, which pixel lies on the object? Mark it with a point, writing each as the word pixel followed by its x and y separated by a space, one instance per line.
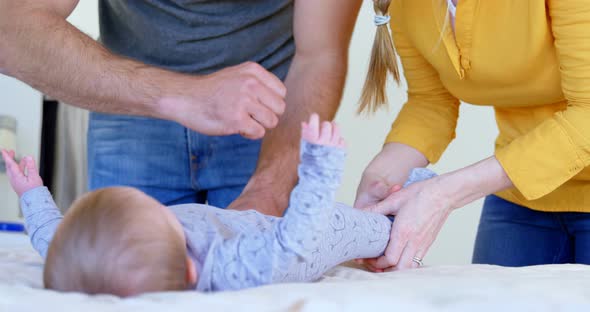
pixel 11 227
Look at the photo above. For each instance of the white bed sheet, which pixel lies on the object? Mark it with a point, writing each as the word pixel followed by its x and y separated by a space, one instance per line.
pixel 444 288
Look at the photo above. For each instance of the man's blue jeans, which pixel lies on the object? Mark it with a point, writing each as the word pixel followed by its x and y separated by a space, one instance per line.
pixel 512 235
pixel 168 161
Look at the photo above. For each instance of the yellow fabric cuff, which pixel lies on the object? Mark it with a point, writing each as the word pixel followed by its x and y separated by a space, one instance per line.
pixel 540 161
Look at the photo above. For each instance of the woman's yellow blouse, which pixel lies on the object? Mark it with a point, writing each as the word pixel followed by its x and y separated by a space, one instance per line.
pixel 530 60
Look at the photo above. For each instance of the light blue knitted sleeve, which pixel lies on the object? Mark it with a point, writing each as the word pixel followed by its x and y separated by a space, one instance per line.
pixel 42 217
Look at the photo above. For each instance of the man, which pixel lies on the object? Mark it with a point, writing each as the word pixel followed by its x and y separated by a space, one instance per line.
pixel 209 66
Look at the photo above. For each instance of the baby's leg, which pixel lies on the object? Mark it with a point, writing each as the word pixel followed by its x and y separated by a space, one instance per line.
pixel 317 234
pixel 357 234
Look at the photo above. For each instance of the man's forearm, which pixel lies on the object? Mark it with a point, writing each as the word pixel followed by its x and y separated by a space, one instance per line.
pixel 42 49
pixel 313 85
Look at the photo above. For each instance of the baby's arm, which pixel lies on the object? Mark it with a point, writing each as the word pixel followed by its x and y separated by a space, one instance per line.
pixel 311 205
pixel 41 214
pixel 315 234
pixel 42 217
pixel 302 231
pixel 273 253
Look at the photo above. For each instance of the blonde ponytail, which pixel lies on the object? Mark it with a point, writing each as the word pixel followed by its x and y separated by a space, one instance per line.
pixel 383 61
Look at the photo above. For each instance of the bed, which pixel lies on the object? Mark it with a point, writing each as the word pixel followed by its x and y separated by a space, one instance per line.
pixel 345 288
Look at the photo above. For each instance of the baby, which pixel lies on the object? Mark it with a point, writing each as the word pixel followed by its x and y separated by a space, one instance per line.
pixel 121 241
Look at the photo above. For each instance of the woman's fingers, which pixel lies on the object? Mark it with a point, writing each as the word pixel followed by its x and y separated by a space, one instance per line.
pixel 420 255
pixel 394 189
pixel 406 260
pixel 393 252
pixel 384 207
pixel 370 264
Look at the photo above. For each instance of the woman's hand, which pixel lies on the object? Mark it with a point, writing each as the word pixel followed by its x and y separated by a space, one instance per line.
pixel 421 209
pixel 386 172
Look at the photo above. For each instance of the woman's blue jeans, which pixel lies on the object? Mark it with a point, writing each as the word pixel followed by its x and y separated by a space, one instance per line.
pixel 512 235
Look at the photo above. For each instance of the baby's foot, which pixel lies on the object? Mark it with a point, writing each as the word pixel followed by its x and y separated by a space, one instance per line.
pixel 328 133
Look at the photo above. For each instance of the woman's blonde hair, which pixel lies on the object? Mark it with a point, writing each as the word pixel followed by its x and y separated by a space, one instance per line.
pixel 383 62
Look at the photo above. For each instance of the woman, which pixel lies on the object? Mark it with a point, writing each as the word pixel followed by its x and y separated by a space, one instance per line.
pixel 531 61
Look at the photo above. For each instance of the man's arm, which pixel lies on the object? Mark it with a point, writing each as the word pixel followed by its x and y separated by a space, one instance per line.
pixel 315 82
pixel 41 48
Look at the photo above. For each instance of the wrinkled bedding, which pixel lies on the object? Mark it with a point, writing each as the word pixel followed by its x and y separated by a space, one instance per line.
pixel 345 288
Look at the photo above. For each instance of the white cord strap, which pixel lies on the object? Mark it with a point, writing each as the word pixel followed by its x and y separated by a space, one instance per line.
pixel 381 20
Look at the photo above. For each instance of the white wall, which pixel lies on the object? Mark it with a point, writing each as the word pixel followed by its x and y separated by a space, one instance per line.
pixel 85 17
pixel 475 135
pixel 22 102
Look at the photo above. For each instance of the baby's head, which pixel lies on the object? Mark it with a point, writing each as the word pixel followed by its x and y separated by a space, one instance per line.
pixel 118 241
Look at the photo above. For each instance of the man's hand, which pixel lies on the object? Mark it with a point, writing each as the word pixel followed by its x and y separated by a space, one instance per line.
pixel 24 176
pixel 245 99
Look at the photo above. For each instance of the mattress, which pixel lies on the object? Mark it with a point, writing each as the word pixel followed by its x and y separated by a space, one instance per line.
pixel 345 288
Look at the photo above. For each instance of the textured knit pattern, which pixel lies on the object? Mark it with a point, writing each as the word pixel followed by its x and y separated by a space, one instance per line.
pixel 41 217
pixel 241 249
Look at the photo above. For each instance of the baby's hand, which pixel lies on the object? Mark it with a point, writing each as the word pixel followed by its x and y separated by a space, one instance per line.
pixel 327 134
pixel 24 176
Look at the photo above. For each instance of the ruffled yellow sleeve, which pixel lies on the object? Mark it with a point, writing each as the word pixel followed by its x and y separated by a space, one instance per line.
pixel 427 121
pixel 559 148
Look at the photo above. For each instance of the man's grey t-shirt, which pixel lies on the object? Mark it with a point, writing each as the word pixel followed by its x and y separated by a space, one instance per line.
pixel 200 36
